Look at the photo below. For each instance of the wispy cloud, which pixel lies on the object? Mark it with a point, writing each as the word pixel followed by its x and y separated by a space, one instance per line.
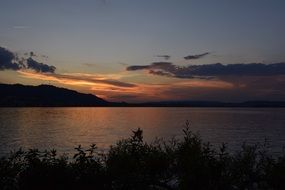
pixel 89 64
pixel 166 57
pixel 20 27
pixel 115 90
pixel 75 79
pixel 197 56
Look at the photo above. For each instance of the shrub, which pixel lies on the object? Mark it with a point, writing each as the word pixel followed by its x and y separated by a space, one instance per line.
pixel 186 163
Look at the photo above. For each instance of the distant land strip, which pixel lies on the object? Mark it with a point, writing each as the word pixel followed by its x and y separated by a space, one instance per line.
pixel 18 95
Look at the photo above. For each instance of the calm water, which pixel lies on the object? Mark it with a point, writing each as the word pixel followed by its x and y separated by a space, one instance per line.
pixel 65 128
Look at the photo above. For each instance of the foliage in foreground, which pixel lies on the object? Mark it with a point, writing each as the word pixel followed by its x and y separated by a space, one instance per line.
pixel 187 163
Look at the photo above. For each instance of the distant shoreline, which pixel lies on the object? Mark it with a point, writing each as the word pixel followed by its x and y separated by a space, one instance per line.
pixel 137 106
pixel 17 95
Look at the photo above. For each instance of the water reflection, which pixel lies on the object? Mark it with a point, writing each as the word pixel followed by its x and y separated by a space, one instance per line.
pixel 65 128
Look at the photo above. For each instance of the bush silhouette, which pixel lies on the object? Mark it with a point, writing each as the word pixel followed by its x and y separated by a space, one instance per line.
pixel 131 163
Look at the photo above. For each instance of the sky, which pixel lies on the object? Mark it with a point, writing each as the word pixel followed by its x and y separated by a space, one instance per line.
pixel 151 50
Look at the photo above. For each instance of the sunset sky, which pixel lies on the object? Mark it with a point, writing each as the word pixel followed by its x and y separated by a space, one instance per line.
pixel 147 50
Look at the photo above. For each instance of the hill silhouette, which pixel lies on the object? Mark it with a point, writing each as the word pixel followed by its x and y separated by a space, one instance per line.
pixel 18 95
pixel 45 95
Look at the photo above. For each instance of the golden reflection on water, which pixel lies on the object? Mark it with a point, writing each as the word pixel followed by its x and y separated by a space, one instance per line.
pixel 65 128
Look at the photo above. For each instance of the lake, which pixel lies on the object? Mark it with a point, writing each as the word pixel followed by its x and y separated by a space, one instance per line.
pixel 65 128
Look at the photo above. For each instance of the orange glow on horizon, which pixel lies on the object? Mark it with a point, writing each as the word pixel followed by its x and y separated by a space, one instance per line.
pixel 111 89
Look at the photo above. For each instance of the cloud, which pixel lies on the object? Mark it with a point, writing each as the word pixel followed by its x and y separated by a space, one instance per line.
pixel 232 82
pixel 10 61
pixel 115 90
pixel 209 71
pixel 226 88
pixel 123 64
pixel 89 64
pixel 40 67
pixel 159 92
pixel 31 54
pixel 163 69
pixel 76 79
pixel 167 66
pixel 243 88
pixel 137 67
pixel 198 56
pixel 19 27
pixel 161 73
pixel 252 69
pixel 166 57
pixel 228 82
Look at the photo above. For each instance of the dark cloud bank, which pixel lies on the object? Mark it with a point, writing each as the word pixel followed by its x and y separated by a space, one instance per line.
pixel 10 61
pixel 211 70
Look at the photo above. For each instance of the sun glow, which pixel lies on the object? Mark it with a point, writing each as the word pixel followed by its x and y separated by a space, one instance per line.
pixel 113 89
